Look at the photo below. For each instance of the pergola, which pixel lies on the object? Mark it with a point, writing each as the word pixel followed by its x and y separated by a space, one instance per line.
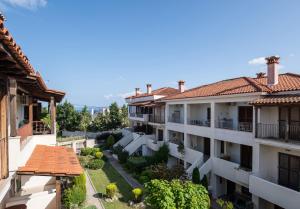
pixel 52 161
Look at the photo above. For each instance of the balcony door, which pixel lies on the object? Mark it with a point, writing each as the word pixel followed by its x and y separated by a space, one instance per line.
pixel 289 171
pixel 3 133
pixel 245 118
pixel 246 156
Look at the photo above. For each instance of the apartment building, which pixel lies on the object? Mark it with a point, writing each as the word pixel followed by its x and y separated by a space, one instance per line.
pixel 242 134
pixel 30 163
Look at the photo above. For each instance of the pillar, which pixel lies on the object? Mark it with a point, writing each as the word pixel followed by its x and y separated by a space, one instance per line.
pixel 13 107
pixel 53 115
pixel 30 112
pixel 58 193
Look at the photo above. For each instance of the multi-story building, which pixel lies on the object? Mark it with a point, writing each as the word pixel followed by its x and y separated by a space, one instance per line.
pixel 242 133
pixel 30 163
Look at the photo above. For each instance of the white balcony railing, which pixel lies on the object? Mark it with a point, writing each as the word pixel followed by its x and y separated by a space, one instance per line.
pixel 272 192
pixel 231 171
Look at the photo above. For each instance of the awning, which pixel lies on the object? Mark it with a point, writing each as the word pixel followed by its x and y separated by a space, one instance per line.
pixel 52 161
pixel 141 103
pixel 277 100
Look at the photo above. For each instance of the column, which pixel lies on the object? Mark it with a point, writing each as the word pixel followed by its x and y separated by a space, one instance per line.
pixel 53 115
pixel 185 113
pixel 58 193
pixel 30 113
pixel 13 107
pixel 213 112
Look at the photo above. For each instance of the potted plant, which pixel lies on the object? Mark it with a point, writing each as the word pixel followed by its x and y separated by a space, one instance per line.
pixel 180 148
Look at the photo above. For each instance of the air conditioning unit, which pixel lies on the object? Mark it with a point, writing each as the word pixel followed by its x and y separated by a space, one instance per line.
pixel 24 99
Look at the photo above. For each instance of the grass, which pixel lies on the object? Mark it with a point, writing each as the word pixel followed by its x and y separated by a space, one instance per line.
pixel 101 178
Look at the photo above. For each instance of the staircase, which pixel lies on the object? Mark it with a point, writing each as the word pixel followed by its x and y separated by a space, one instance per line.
pixel 136 143
pixel 127 138
pixel 204 167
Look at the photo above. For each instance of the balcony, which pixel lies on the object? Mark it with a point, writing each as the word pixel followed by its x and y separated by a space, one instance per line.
pixel 173 119
pixel 280 131
pixel 156 119
pixel 139 117
pixel 272 192
pixel 205 123
pixel 229 124
pixel 231 171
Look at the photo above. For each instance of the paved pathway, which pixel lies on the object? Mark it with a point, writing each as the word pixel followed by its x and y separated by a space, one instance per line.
pixel 91 197
pixel 130 180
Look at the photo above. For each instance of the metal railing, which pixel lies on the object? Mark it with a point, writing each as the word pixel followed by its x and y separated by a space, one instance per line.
pixel 132 114
pixel 156 119
pixel 279 131
pixel 40 128
pixel 229 124
pixel 195 122
pixel 175 120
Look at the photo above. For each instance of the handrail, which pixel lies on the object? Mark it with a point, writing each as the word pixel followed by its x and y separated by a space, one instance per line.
pixel 40 128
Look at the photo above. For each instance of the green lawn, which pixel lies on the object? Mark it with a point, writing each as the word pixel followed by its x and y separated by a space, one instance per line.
pixel 107 175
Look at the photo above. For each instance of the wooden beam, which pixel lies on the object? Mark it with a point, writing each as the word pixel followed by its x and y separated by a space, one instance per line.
pixel 58 193
pixel 53 115
pixel 13 107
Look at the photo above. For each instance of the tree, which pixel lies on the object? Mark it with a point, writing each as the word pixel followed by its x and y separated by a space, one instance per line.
pixel 204 182
pixel 114 116
pixel 110 141
pixel 124 116
pixel 100 123
pixel 162 154
pixel 196 176
pixel 85 119
pixel 67 117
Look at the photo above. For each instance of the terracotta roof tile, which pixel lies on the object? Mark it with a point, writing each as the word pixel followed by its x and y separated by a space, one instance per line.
pixel 282 99
pixel 287 82
pixel 52 161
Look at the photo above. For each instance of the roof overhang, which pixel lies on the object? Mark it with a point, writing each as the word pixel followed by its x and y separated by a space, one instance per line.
pixel 52 161
pixel 277 100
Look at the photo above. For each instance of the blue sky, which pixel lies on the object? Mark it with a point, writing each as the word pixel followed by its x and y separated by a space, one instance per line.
pixel 100 50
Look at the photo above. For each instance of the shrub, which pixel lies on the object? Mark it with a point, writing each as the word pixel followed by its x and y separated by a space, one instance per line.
pixel 196 176
pixel 118 149
pixel 162 155
pixel 89 151
pixel 224 204
pixel 144 179
pixel 102 136
pixel 147 173
pixel 84 160
pixel 111 190
pixel 137 194
pixel 91 207
pixel 76 195
pixel 176 195
pixel 136 164
pixel 204 182
pixel 123 157
pixel 110 141
pixel 98 155
pixel 95 164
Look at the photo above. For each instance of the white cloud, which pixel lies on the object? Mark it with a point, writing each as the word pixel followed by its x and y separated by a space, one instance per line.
pixel 28 4
pixel 292 55
pixel 257 61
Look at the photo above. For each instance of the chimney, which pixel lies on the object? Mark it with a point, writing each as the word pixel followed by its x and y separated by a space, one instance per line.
pixel 137 91
pixel 273 63
pixel 181 86
pixel 149 88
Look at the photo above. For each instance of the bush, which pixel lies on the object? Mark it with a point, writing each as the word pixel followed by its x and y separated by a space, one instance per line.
pixel 98 155
pixel 91 207
pixel 84 160
pixel 204 182
pixel 176 195
pixel 224 204
pixel 111 190
pixel 136 164
pixel 137 194
pixel 123 157
pixel 89 151
pixel 102 136
pixel 196 176
pixel 144 179
pixel 76 195
pixel 110 141
pixel 162 155
pixel 118 149
pixel 95 164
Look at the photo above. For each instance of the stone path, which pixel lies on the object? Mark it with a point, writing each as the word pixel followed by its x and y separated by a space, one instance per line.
pixel 91 196
pixel 130 180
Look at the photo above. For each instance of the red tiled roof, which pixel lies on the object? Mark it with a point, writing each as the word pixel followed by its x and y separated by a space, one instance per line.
pixel 17 53
pixel 165 91
pixel 52 161
pixel 282 99
pixel 287 82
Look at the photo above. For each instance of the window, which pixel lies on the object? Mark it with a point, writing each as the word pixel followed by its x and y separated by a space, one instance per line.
pixel 222 147
pixel 289 171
